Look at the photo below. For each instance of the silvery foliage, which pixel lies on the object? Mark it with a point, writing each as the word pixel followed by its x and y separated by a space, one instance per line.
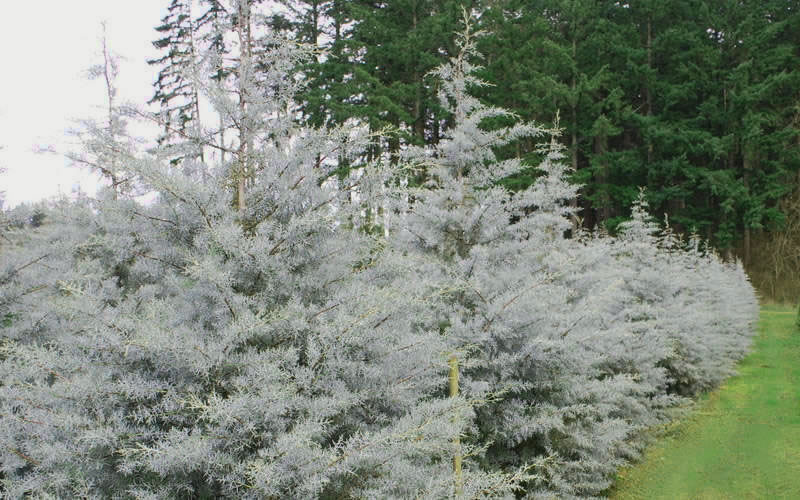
pixel 561 349
pixel 705 308
pixel 507 311
pixel 185 349
pixel 668 317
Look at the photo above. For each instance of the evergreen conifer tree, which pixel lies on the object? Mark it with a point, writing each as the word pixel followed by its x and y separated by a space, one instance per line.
pixel 567 360
pixel 188 348
pixel 244 339
pixel 105 141
pixel 175 92
pixel 508 314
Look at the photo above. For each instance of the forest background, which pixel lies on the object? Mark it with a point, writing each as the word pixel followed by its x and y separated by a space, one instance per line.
pixel 698 101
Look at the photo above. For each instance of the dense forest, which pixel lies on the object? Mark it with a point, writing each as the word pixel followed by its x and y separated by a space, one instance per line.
pixel 397 250
pixel 697 101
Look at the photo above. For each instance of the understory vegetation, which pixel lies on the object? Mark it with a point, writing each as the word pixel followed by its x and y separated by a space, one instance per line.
pixel 272 325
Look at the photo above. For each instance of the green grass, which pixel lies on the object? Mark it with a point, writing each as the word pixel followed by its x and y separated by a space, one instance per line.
pixel 743 440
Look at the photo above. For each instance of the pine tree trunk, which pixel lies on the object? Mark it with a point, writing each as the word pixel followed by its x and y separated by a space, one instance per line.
pixel 647 92
pixel 419 115
pixel 748 157
pixel 574 139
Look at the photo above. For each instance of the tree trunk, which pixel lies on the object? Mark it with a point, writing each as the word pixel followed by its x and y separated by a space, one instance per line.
pixel 748 159
pixel 574 136
pixel 419 112
pixel 453 379
pixel 245 46
pixel 108 75
pixel 647 92
pixel 195 95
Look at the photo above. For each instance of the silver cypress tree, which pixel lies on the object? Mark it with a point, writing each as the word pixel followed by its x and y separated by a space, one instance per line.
pixel 192 348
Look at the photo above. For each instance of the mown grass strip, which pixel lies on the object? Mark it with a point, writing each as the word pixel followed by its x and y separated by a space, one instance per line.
pixel 743 440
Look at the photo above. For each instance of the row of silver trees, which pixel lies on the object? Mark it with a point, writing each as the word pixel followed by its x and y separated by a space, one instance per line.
pixel 249 334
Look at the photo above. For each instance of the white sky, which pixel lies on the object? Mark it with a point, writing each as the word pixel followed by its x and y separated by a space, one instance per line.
pixel 46 47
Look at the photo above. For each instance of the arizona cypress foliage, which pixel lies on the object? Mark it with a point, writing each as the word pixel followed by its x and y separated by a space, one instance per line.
pixel 556 336
pixel 729 306
pixel 242 337
pixel 187 349
pixel 102 140
pixel 509 313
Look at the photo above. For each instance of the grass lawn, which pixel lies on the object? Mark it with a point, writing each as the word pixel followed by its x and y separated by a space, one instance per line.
pixel 742 440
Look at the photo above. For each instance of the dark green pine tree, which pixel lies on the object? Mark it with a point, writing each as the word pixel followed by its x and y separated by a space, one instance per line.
pixel 634 68
pixel 549 56
pixel 323 24
pixel 331 93
pixel 528 70
pixel 175 93
pixel 328 98
pixel 390 51
pixel 760 48
pixel 590 36
pixel 713 119
pixel 680 113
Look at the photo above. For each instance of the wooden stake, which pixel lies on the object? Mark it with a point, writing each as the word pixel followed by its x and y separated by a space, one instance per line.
pixel 453 362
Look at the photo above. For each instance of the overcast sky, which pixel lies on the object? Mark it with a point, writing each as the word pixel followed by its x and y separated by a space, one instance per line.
pixel 46 47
